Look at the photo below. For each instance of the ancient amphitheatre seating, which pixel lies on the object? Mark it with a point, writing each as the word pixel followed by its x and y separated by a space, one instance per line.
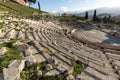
pixel 47 36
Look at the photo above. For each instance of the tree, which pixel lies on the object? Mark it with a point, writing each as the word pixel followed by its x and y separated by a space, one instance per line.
pixel 39 6
pixel 95 16
pixel 109 18
pixel 32 1
pixel 105 19
pixel 86 15
pixel 64 14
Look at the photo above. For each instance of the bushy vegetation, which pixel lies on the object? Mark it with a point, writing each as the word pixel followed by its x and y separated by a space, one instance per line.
pixel 11 54
pixel 73 18
pixel 78 68
pixel 29 73
pixel 1 25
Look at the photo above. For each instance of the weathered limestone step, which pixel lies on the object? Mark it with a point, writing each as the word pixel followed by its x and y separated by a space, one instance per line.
pixel 20 35
pixel 14 35
pixel 97 53
pixel 13 70
pixel 106 71
pixel 48 47
pixel 3 50
pixel 40 35
pixel 42 32
pixel 80 56
pixel 59 49
pixel 37 33
pixel 29 35
pixel 52 73
pixel 63 60
pixel 40 49
pixel 35 36
pixel 116 65
pixel 33 50
pixel 26 36
pixel 38 58
pixel 89 56
pixel 46 33
pixel 91 74
pixel 113 56
pixel 10 34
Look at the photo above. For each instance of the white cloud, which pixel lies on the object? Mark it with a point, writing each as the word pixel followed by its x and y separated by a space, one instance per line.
pixel 64 9
pixel 87 1
pixel 70 1
pixel 113 3
pixel 108 3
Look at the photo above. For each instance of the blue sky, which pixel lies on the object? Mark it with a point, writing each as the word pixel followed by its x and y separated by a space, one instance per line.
pixel 74 5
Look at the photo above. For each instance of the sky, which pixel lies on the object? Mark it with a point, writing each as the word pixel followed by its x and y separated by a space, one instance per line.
pixel 54 6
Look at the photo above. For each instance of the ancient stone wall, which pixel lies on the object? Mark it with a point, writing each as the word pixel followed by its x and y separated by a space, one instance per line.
pixel 22 2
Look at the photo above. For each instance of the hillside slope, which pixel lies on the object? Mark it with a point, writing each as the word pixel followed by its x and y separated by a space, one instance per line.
pixel 16 9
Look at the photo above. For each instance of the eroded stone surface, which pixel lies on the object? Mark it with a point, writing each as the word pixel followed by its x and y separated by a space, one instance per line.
pixel 3 50
pixel 13 70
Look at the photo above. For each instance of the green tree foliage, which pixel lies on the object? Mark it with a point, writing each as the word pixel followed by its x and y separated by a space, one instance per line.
pixel 86 15
pixel 109 18
pixel 64 14
pixel 95 16
pixel 32 1
pixel 105 19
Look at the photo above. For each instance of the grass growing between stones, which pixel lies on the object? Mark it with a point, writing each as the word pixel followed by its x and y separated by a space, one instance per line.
pixel 57 77
pixel 1 25
pixel 11 54
pixel 30 73
pixel 78 68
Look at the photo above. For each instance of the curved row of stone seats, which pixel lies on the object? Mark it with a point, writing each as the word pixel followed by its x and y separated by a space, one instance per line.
pixel 98 36
pixel 42 34
pixel 39 34
pixel 36 37
pixel 112 56
pixel 20 34
pixel 60 46
pixel 10 34
pixel 29 36
pixel 101 69
pixel 62 61
pixel 46 32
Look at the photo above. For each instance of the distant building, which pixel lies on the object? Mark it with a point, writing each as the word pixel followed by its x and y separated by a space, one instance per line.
pixel 21 2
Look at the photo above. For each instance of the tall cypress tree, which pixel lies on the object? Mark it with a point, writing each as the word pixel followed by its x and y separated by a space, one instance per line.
pixel 86 15
pixel 39 6
pixel 109 18
pixel 95 16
